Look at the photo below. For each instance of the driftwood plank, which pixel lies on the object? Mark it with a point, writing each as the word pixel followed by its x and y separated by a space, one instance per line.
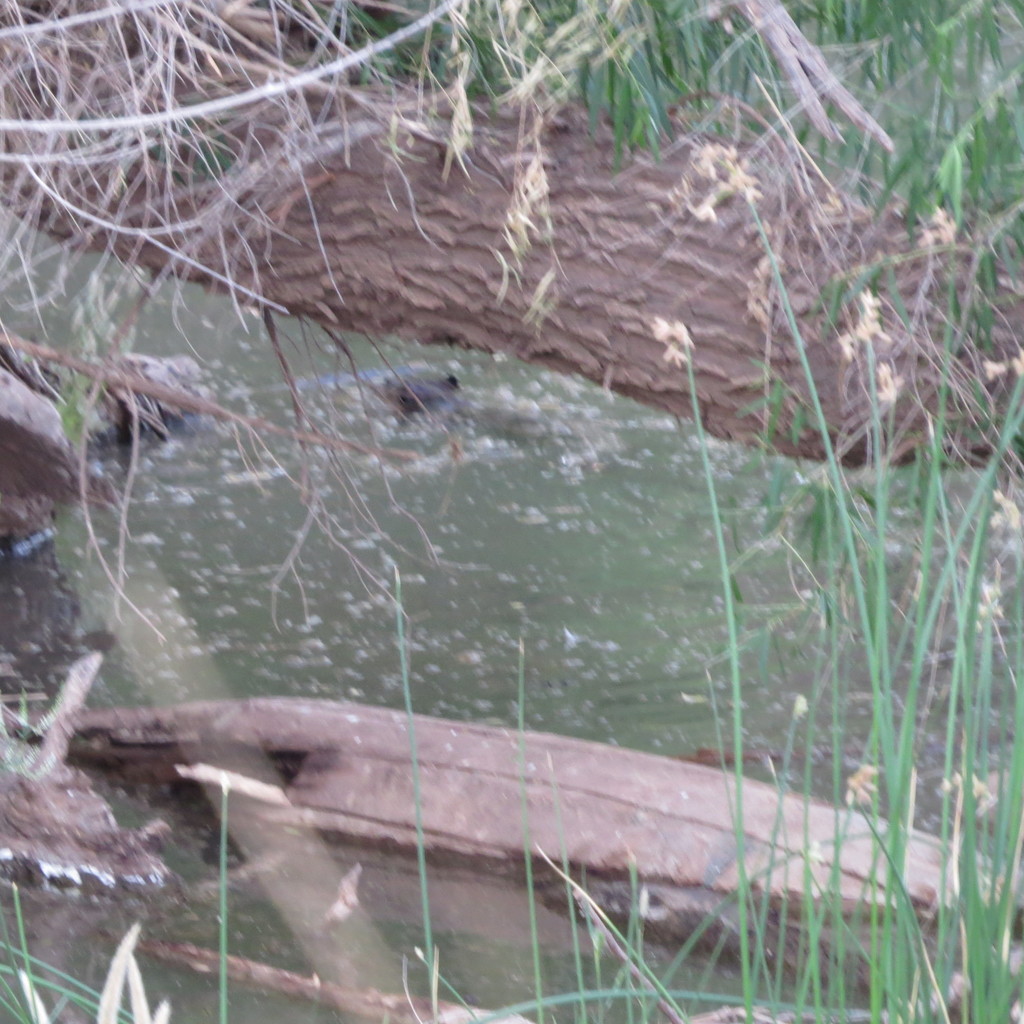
pixel 602 808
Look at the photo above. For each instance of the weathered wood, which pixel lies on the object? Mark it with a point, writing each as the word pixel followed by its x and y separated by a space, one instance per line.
pixel 58 832
pixel 483 789
pixel 37 464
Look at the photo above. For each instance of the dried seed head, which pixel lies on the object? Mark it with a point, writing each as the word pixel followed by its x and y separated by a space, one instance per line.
pixel 676 338
pixel 889 385
pixel 861 786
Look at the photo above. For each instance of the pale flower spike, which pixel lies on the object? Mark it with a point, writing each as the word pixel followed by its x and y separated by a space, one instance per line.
pixel 676 338
pixel 889 385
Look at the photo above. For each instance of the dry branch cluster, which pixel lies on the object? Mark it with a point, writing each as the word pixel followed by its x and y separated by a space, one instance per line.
pixel 167 126
pixel 224 142
pixel 175 126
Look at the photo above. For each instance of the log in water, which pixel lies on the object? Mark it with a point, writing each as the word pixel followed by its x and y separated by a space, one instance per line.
pixel 346 770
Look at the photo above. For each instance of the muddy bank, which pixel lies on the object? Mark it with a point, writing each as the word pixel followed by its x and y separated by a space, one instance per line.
pixel 55 830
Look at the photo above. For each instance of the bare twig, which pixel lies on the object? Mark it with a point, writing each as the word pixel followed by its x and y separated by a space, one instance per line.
pixel 221 105
pixel 289 378
pixel 192 403
pixel 804 66
pixel 60 722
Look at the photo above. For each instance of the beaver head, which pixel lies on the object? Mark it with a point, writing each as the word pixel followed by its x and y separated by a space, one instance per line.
pixel 415 394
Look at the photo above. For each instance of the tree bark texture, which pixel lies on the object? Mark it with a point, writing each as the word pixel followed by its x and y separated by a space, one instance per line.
pixel 536 244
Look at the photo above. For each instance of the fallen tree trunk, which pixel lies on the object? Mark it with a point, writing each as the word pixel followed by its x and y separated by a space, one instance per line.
pixel 609 812
pixel 537 246
pixel 516 229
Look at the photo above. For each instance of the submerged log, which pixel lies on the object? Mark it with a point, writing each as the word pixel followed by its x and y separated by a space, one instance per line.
pixel 366 1002
pixel 37 463
pixel 346 771
pixel 132 411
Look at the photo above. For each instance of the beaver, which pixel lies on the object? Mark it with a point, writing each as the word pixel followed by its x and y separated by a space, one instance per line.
pixel 411 395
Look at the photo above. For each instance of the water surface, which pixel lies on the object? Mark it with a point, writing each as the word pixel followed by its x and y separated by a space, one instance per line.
pixel 544 515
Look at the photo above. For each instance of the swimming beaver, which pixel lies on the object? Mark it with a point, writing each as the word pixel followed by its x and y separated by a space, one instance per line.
pixel 410 395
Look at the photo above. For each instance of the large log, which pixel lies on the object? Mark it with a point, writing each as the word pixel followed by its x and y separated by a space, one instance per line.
pixel 346 771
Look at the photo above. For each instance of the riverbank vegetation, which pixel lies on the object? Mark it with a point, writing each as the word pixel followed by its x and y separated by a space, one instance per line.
pixel 462 174
pixel 804 235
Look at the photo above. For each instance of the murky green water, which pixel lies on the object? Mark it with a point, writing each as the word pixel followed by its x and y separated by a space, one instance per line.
pixel 570 520
pixel 545 513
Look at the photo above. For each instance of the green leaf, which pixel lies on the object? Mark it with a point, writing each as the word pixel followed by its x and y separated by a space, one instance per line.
pixel 951 178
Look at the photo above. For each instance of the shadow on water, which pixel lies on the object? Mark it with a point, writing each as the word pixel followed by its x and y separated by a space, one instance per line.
pixel 41 631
